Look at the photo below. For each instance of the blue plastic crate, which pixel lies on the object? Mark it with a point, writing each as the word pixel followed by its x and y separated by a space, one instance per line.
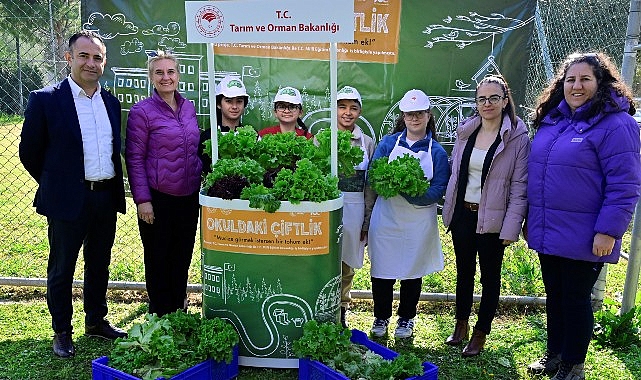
pixel 314 370
pixel 207 370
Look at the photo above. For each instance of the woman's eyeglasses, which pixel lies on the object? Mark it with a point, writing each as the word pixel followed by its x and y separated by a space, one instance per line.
pixel 494 99
pixel 286 107
pixel 414 114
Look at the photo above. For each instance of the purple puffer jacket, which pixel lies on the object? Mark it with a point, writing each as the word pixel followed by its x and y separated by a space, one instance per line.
pixel 161 149
pixel 584 178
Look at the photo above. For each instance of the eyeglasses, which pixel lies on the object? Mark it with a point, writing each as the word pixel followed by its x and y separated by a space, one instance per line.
pixel 288 107
pixel 494 99
pixel 414 114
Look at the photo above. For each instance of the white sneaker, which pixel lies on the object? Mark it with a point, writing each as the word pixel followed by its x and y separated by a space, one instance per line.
pixel 404 328
pixel 379 328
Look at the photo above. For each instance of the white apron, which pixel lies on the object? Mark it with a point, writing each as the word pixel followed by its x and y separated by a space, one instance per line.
pixel 403 238
pixel 353 215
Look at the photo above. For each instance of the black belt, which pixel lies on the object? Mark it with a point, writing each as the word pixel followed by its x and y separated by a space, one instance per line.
pixel 102 185
pixel 471 206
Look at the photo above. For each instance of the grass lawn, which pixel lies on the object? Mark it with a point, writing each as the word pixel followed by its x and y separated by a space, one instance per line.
pixel 518 335
pixel 518 338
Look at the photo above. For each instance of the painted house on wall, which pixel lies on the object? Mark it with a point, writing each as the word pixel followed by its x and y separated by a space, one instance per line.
pixel 132 85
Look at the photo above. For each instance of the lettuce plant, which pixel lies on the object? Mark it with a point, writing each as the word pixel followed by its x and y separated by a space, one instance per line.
pixel 280 167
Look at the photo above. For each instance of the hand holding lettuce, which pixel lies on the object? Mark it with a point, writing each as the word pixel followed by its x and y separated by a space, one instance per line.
pixel 400 176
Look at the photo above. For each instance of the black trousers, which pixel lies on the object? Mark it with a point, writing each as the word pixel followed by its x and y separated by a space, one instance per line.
pixel 383 295
pixel 168 247
pixel 570 320
pixel 95 231
pixel 490 250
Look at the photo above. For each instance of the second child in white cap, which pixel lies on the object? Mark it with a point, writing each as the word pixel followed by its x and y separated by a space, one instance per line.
pixel 355 214
pixel 403 241
pixel 288 107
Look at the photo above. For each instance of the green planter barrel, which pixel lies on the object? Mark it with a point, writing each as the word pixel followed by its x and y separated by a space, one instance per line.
pixel 269 273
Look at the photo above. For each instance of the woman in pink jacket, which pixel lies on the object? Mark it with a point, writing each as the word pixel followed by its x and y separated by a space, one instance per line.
pixel 164 170
pixel 485 203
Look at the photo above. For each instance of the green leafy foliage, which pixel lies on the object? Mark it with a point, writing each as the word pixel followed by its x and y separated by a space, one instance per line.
pixel 330 344
pixel 226 167
pixel 400 176
pixel 241 143
pixel 282 150
pixel 322 341
pixel 260 197
pixel 307 183
pixel 164 347
pixel 348 156
pixel 616 330
pixel 280 167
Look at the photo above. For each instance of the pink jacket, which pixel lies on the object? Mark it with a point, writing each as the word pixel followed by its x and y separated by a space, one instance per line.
pixel 161 149
pixel 503 203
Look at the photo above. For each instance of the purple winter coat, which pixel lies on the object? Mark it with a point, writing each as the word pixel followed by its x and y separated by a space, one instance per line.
pixel 584 178
pixel 503 205
pixel 161 149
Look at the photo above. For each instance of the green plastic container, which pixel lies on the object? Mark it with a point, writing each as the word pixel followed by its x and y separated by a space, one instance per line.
pixel 269 273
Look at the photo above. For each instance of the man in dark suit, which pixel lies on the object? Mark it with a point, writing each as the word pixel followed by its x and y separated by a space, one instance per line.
pixel 70 144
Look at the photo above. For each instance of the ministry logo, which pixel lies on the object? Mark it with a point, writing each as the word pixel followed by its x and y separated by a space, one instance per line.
pixel 209 21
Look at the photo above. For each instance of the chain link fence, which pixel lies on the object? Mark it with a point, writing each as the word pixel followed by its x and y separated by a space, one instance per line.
pixel 33 37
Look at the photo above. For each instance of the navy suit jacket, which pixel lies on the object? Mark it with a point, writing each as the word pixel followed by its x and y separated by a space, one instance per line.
pixel 51 151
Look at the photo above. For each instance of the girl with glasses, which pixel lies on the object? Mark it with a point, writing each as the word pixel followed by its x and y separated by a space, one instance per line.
pixel 485 203
pixel 403 234
pixel 288 108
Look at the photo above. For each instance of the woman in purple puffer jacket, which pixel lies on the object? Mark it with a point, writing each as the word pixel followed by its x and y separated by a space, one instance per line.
pixel 583 185
pixel 164 170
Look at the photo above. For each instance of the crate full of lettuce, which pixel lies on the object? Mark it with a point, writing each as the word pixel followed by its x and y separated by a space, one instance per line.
pixel 328 351
pixel 280 167
pixel 178 346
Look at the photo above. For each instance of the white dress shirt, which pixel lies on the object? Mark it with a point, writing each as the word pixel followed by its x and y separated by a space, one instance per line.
pixel 97 138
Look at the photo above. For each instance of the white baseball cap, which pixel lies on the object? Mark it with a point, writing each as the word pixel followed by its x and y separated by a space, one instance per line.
pixel 349 92
pixel 414 100
pixel 288 95
pixel 231 87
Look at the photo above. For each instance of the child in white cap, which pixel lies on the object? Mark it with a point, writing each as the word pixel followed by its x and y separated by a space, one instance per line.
pixel 403 241
pixel 288 107
pixel 355 214
pixel 231 100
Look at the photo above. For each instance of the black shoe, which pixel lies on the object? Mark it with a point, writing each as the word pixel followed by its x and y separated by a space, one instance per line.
pixel 62 345
pixel 343 321
pixel 105 330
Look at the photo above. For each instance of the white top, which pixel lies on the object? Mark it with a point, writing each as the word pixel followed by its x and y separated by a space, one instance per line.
pixel 97 137
pixel 475 169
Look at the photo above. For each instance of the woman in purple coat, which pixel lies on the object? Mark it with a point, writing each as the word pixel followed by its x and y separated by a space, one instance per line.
pixel 583 185
pixel 161 153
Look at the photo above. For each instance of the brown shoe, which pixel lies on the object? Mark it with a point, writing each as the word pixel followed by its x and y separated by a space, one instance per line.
pixel 461 333
pixel 475 344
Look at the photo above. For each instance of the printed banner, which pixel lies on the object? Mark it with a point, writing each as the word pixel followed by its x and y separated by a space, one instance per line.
pixel 376 31
pixel 268 21
pixel 443 47
pixel 282 233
